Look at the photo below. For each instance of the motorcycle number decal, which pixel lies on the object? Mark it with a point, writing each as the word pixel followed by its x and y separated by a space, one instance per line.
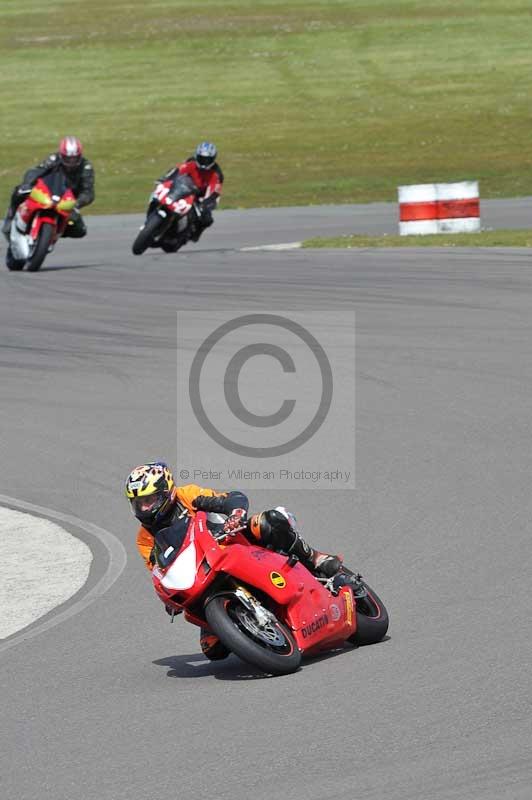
pixel 277 580
pixel 161 191
pixel 181 206
pixel 348 600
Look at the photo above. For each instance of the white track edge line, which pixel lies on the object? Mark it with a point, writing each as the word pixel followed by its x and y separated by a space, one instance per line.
pixel 285 246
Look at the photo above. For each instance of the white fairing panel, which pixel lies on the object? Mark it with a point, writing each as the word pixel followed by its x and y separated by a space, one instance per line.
pixel 182 572
pixel 20 246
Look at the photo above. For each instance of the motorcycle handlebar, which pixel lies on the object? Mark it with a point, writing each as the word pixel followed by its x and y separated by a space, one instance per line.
pixel 225 534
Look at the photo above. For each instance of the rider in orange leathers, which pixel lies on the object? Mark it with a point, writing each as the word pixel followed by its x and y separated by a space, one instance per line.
pixel 157 503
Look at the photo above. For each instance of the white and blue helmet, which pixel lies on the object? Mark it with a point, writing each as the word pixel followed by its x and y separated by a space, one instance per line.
pixel 205 155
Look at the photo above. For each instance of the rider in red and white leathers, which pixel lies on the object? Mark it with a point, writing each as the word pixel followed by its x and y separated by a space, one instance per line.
pixel 207 176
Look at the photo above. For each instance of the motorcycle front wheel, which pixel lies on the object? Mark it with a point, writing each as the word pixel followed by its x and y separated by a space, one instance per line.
pixel 271 647
pixel 44 241
pixel 13 264
pixel 146 234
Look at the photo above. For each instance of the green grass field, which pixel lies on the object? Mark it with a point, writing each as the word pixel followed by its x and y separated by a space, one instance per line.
pixel 500 238
pixel 310 102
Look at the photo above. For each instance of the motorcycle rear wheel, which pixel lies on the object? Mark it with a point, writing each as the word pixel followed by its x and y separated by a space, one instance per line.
pixel 146 234
pixel 44 241
pixel 372 619
pixel 272 649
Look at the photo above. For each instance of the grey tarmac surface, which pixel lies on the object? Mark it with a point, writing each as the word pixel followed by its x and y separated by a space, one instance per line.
pixel 116 704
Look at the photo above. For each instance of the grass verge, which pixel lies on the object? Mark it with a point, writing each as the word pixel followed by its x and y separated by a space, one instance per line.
pixel 310 101
pixel 502 238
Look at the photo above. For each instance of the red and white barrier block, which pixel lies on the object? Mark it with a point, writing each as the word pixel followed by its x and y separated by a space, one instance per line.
pixel 439 208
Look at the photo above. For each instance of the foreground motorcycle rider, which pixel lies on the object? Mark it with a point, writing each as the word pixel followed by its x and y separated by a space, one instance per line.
pixel 156 502
pixel 205 173
pixel 79 177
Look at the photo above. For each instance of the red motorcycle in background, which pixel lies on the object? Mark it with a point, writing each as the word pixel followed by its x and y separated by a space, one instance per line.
pixel 170 217
pixel 39 222
pixel 265 607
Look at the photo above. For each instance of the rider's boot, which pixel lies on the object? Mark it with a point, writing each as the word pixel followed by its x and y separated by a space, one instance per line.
pixel 211 646
pixel 346 577
pixel 323 564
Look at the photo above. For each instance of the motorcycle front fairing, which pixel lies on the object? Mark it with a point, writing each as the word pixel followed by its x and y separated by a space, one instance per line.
pixel 177 577
pixel 50 201
pixel 176 195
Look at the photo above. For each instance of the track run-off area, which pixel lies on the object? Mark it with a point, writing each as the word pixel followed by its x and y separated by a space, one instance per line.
pixel 111 702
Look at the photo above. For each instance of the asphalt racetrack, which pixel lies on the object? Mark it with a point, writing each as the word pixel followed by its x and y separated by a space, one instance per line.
pixel 114 703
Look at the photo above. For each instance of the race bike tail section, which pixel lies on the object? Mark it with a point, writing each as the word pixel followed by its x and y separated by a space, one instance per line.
pixel 170 217
pixel 265 607
pixel 39 221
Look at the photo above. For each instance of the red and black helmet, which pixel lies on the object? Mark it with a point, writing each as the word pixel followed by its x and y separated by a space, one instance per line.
pixel 70 152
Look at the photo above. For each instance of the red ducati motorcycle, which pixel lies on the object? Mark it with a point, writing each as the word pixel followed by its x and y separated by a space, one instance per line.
pixel 170 216
pixel 265 607
pixel 39 222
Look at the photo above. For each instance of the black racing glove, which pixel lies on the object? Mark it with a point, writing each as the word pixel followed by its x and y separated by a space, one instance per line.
pixel 204 503
pixel 209 204
pixel 24 188
pixel 222 504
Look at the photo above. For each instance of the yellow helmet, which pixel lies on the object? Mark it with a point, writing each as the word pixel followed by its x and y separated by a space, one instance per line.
pixel 151 491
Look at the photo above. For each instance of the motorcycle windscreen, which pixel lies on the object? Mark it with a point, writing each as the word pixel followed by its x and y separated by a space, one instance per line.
pixel 182 572
pixel 56 182
pixel 181 186
pixel 173 535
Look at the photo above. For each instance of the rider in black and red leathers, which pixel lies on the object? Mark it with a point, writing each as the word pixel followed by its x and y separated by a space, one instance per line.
pixel 207 176
pixel 79 177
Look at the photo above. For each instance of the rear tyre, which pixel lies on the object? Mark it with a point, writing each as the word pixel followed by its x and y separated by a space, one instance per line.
pixel 146 234
pixel 272 648
pixel 13 264
pixel 372 619
pixel 44 241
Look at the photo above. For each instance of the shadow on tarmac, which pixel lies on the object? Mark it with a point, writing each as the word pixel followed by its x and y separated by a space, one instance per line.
pixel 69 266
pixel 195 665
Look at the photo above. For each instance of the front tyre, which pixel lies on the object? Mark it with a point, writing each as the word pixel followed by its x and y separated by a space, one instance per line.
pixel 44 241
pixel 147 233
pixel 372 618
pixel 270 647
pixel 13 264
